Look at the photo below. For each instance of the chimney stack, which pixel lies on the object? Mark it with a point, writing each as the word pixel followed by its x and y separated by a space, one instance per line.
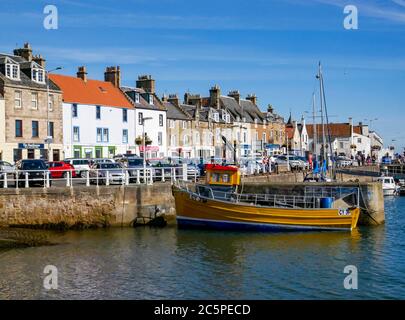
pixel 270 109
pixel 174 99
pixel 146 83
pixel 193 99
pixel 38 59
pixel 235 94
pixel 252 98
pixel 25 52
pixel 82 73
pixel 113 75
pixel 215 94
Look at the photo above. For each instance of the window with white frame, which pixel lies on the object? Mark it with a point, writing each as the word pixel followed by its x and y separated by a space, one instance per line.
pixel 160 120
pixel 228 118
pixel 216 116
pixel 106 136
pixel 171 124
pixel 76 134
pixel 99 135
pixel 38 75
pixel 244 137
pixel 140 118
pixel 137 98
pixel 160 138
pixel 34 100
pixel 18 99
pixel 218 134
pixel 150 98
pixel 13 71
pixel 184 124
pixel 173 140
pixel 125 136
pixel 186 140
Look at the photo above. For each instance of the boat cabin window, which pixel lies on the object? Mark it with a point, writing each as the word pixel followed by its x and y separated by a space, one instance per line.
pixel 215 177
pixel 387 181
pixel 225 178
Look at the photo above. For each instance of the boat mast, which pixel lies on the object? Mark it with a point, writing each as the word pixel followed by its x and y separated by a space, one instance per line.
pixel 315 137
pixel 319 77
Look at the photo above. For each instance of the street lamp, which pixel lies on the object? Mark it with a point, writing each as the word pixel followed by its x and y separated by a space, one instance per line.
pixel 144 146
pixel 48 138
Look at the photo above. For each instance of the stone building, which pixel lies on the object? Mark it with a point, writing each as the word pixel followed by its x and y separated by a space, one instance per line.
pixel 32 121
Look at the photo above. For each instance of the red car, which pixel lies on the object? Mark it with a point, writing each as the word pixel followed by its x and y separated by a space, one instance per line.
pixel 59 169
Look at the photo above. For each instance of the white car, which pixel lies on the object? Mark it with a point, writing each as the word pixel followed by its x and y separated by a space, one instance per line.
pixel 6 167
pixel 81 166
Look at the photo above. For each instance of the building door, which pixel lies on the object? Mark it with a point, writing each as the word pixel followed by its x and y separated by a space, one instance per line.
pixel 56 155
pixel 77 152
pixel 17 155
pixel 31 153
pixel 99 152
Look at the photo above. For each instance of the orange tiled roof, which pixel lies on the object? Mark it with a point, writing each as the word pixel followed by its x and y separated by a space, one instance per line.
pixel 94 92
pixel 336 129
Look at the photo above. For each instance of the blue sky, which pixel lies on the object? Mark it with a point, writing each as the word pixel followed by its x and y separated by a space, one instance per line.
pixel 270 48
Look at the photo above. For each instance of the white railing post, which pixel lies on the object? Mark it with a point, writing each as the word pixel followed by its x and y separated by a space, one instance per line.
pixel 5 184
pixel 150 177
pixel 47 179
pixel 126 177
pixel 107 178
pixel 185 171
pixel 27 185
pixel 87 178
pixel 163 174
pixel 68 179
pixel 195 176
pixel 138 176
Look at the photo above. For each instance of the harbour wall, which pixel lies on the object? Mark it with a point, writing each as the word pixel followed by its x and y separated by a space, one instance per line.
pixel 113 206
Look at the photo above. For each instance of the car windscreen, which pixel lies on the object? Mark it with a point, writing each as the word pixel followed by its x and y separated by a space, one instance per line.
pixel 33 165
pixel 109 166
pixel 135 162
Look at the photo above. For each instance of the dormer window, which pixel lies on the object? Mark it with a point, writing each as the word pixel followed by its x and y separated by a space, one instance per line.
pixel 228 118
pixel 38 75
pixel 150 98
pixel 12 71
pixel 137 98
pixel 216 117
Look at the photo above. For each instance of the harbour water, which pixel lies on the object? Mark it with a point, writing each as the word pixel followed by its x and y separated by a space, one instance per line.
pixel 168 263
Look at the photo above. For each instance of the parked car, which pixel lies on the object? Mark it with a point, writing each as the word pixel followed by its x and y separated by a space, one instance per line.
pixel 101 160
pixel 59 169
pixel 36 170
pixel 81 165
pixel 294 162
pixel 6 168
pixel 99 172
pixel 342 161
pixel 135 164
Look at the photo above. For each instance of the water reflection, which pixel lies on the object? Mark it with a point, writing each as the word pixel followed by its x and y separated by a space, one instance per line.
pixel 168 263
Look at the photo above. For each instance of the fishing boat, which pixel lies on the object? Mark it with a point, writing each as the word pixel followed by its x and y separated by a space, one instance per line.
pixel 389 186
pixel 217 204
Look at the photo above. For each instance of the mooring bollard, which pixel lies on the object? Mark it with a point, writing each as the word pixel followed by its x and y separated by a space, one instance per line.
pixel 27 185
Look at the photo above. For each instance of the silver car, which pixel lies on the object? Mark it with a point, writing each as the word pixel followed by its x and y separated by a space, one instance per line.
pixel 98 173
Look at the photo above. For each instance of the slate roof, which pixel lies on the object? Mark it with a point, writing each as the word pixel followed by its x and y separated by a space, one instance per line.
pixel 143 101
pixel 94 92
pixel 25 80
pixel 175 113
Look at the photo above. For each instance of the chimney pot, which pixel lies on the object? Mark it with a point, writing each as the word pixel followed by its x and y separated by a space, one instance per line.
pixel 82 73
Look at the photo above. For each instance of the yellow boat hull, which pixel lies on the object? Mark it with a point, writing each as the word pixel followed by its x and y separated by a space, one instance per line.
pixel 194 211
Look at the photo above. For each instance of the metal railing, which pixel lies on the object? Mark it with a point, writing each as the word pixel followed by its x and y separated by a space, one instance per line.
pixel 71 177
pixel 307 200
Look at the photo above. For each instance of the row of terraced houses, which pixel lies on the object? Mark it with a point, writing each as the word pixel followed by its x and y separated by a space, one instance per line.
pixel 52 116
pixel 61 116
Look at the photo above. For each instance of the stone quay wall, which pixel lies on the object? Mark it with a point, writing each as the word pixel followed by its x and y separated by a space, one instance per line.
pixel 114 206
